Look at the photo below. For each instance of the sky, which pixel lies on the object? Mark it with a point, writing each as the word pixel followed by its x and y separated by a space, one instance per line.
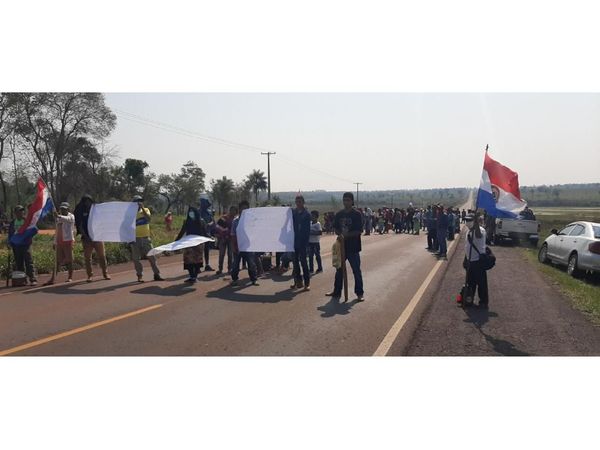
pixel 385 141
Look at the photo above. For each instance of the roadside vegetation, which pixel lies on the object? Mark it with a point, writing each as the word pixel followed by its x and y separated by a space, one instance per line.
pixel 584 293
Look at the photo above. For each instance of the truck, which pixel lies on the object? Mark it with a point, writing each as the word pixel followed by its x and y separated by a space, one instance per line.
pixel 517 230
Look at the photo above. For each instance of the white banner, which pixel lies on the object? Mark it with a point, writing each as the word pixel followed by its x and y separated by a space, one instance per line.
pixel 190 240
pixel 269 229
pixel 113 221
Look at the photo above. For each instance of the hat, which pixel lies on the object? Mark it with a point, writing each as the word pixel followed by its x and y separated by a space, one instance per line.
pixel 137 198
pixel 65 205
pixel 19 208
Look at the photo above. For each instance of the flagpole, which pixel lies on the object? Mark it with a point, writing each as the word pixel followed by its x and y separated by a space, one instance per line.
pixel 473 228
pixel 55 265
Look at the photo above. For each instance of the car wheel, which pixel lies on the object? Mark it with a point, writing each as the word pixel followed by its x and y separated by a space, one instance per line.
pixel 572 267
pixel 543 254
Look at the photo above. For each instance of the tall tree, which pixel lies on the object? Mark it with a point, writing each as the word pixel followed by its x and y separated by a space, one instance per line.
pixel 184 188
pixel 222 190
pixel 48 123
pixel 257 182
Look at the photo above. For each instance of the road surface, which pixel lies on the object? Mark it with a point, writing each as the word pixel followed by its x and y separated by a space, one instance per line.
pixel 122 317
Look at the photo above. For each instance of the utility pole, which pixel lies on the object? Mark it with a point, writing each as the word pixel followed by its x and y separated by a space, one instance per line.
pixel 268 172
pixel 357 193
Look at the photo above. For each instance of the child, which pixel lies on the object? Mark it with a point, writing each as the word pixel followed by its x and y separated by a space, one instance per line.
pixel 314 243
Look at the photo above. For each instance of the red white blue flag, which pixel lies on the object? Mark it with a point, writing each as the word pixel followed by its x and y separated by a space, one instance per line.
pixel 499 191
pixel 41 206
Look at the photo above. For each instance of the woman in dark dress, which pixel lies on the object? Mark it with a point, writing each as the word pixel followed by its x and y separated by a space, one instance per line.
pixel 193 257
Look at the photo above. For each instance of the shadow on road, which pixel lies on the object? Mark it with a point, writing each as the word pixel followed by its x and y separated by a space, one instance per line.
pixel 334 307
pixel 243 293
pixel 70 289
pixel 479 317
pixel 176 290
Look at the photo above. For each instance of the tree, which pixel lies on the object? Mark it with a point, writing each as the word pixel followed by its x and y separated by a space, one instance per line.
pixel 48 123
pixel 222 190
pixel 184 188
pixel 133 173
pixel 257 182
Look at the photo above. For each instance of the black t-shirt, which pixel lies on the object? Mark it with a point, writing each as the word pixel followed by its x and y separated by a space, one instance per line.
pixel 349 221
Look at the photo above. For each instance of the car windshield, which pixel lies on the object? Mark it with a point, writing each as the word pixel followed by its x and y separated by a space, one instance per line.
pixel 596 231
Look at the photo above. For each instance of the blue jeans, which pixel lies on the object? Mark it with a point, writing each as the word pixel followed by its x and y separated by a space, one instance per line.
pixel 314 251
pixel 354 260
pixel 441 236
pixel 250 260
pixel 300 260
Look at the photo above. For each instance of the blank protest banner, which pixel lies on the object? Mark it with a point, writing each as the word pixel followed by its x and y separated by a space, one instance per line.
pixel 113 222
pixel 269 229
pixel 187 241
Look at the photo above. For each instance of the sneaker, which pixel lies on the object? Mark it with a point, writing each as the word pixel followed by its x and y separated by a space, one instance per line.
pixel 297 286
pixel 107 277
pixel 89 279
pixel 306 288
pixel 208 269
pixel 189 280
pixel 33 283
pixel 360 298
pixel 219 272
pixel 69 280
pixel 158 278
pixel 140 279
pixel 255 283
pixel 333 294
pixel 234 283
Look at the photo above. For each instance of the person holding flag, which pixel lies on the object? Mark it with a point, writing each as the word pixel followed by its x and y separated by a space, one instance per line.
pixel 22 229
pixel 21 247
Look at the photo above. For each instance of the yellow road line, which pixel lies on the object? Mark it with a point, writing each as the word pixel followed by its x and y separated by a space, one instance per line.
pixel 76 331
pixel 391 336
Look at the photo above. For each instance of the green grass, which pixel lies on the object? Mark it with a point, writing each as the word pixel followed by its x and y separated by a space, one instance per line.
pixel 583 293
pixel 43 253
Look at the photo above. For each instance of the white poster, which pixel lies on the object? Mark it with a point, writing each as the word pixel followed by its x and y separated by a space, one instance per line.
pixel 190 240
pixel 269 229
pixel 113 221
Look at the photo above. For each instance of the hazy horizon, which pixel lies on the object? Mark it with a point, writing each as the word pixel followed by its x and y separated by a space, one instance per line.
pixel 386 141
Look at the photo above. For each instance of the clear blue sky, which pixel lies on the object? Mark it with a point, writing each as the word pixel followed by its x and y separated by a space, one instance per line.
pixel 386 141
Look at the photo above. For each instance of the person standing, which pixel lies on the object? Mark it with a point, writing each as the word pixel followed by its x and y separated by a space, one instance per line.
pixel 429 224
pixel 143 243
pixel 476 275
pixel 451 225
pixel 348 227
pixel 442 231
pixel 223 231
pixel 169 221
pixel 302 220
pixel 82 213
pixel 314 242
pixel 193 256
pixel 248 257
pixel 64 238
pixel 21 252
pixel 207 216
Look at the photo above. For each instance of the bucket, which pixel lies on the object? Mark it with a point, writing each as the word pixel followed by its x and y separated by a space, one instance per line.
pixel 18 278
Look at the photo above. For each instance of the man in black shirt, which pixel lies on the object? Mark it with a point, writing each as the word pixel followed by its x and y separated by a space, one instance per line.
pixel 347 224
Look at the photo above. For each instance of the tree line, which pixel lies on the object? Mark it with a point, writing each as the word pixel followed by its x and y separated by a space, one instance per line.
pixel 62 138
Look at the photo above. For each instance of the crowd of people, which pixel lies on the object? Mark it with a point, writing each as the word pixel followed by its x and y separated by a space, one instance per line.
pixel 438 222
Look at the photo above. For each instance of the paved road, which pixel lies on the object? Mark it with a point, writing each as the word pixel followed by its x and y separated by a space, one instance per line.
pixel 527 316
pixel 122 317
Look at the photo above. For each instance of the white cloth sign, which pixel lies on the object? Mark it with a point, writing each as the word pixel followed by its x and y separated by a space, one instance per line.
pixel 190 240
pixel 269 229
pixel 113 221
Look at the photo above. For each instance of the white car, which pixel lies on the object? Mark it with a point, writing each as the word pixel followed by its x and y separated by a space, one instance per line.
pixel 576 246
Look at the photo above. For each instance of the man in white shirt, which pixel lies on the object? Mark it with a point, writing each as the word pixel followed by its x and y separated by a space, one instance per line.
pixel 64 238
pixel 314 243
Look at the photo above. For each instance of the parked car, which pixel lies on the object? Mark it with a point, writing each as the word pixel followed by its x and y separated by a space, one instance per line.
pixel 517 230
pixel 576 246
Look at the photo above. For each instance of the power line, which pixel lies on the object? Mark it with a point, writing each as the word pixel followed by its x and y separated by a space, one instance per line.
pixel 191 134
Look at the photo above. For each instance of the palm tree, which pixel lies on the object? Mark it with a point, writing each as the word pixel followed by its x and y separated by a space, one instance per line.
pixel 257 182
pixel 222 190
